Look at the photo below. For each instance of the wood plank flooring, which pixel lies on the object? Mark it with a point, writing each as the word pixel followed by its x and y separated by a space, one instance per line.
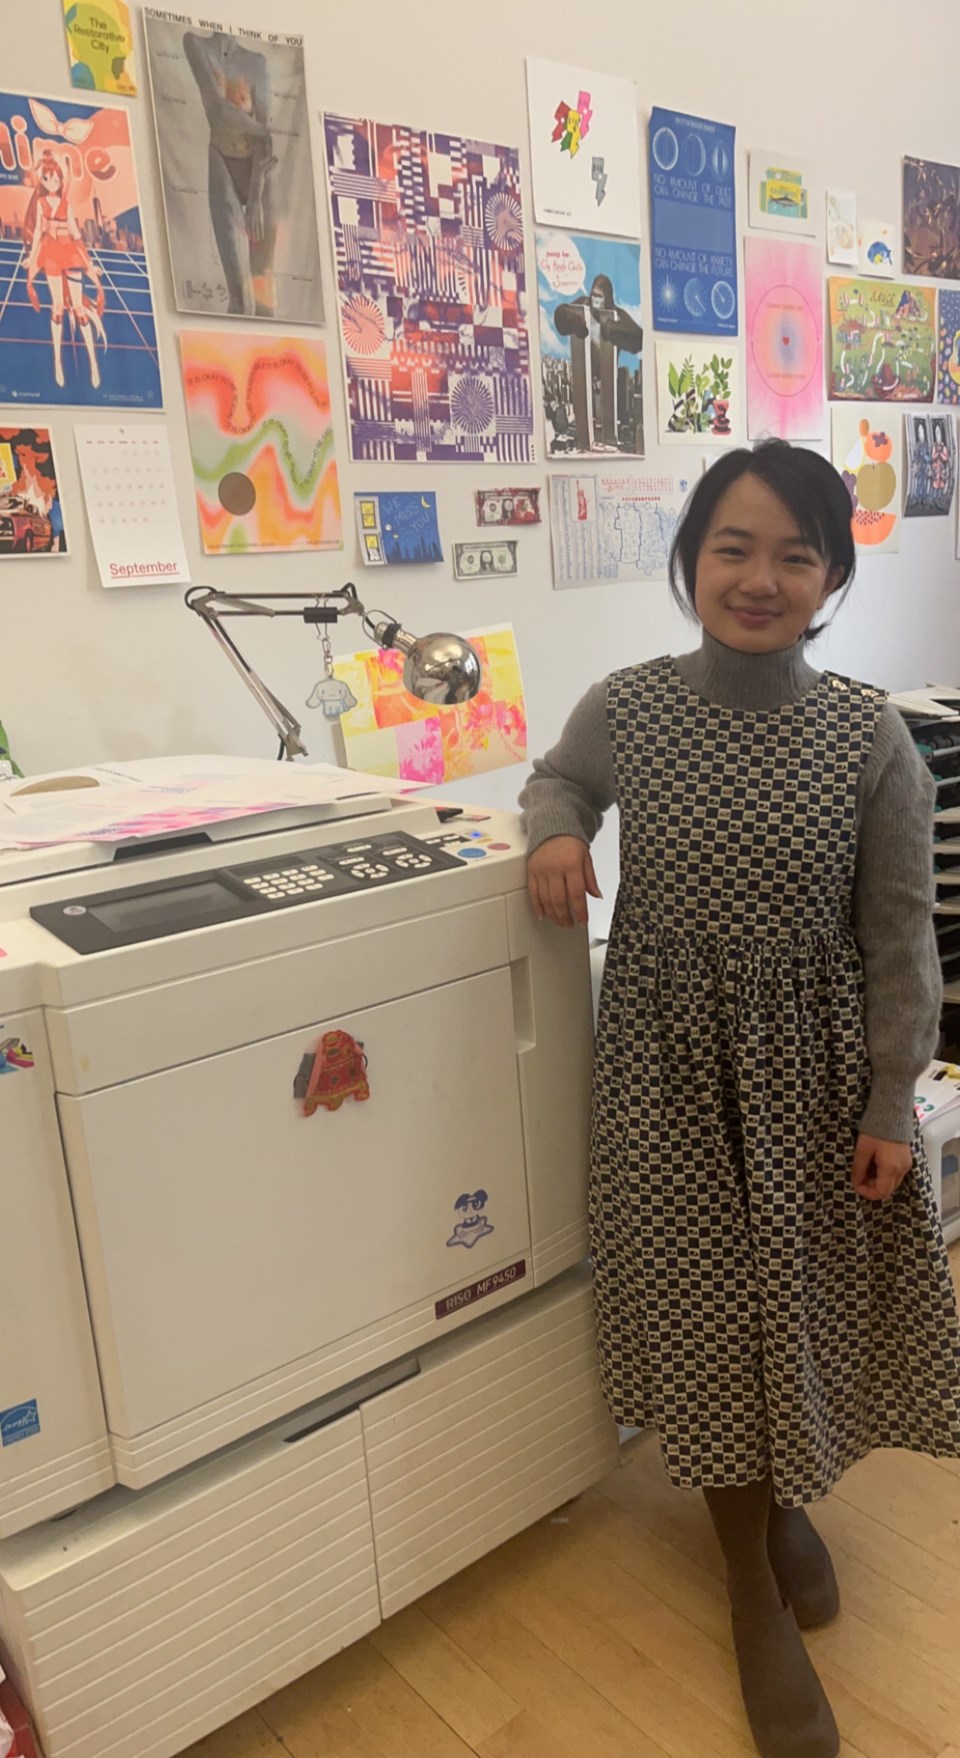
pixel 602 1633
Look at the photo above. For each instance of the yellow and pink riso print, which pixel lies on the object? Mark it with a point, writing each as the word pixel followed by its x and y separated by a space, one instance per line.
pixel 390 732
pixel 261 439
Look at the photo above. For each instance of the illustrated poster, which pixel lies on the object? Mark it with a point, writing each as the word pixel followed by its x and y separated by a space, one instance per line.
pixel 948 364
pixel 783 292
pixel 397 530
pixel 585 149
pixel 783 193
pixel 233 139
pixel 31 516
pixel 694 224
pixel 842 228
pixel 261 439
pixel 390 732
pixel 931 473
pixel 876 242
pixel 591 344
pixel 127 475
pixel 868 452
pixel 698 392
pixel 77 324
pixel 101 46
pixel 614 527
pixel 883 341
pixel 931 219
pixel 431 290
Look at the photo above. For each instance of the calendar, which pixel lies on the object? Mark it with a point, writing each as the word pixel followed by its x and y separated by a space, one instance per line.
pixel 127 474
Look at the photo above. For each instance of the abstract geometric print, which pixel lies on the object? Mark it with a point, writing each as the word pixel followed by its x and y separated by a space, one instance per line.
pixel 428 239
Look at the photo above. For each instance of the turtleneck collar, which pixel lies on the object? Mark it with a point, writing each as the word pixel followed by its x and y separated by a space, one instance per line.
pixel 733 679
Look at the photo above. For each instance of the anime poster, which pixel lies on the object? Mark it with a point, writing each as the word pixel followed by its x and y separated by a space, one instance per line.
pixel 585 149
pixel 101 46
pixel 698 392
pixel 261 439
pixel 694 224
pixel 390 732
pixel 868 452
pixel 931 219
pixel 77 325
pixel 783 193
pixel 931 465
pixel 591 345
pixel 31 517
pixel 883 341
pixel 948 329
pixel 398 530
pixel 783 291
pixel 233 138
pixel 431 289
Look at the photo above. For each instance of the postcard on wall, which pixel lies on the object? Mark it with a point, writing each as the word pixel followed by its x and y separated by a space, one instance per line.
pixel 493 558
pixel 397 530
pixel 101 46
pixel 128 486
pixel 508 506
pixel 31 514
pixel 931 219
pixel 783 294
pixel 390 732
pixel 233 140
pixel 876 242
pixel 931 472
pixel 614 527
pixel 948 329
pixel 585 149
pixel 842 228
pixel 261 439
pixel 783 193
pixel 698 392
pixel 868 452
pixel 693 224
pixel 883 341
pixel 77 322
pixel 435 342
pixel 591 344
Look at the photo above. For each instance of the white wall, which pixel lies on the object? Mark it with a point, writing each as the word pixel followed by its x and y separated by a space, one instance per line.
pixel 87 674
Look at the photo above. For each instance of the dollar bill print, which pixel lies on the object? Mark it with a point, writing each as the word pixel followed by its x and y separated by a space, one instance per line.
pixel 508 506
pixel 483 561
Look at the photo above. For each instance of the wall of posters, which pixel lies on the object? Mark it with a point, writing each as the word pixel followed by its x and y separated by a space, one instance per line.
pixel 591 344
pixel 868 452
pixel 694 224
pixel 100 43
pixel 883 341
pixel 77 323
pixel 699 401
pixel 784 193
pixel 614 527
pixel 431 290
pixel 31 516
pixel 261 439
pixel 233 139
pixel 585 149
pixel 931 465
pixel 931 219
pixel 783 293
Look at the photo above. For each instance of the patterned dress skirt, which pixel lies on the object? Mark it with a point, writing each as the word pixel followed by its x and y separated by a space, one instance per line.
pixel 751 1306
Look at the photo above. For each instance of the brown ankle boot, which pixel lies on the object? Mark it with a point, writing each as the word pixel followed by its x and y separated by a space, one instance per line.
pixel 786 1704
pixel 803 1568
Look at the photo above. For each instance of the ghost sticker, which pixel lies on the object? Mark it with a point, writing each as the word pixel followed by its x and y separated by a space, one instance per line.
pixel 472 1224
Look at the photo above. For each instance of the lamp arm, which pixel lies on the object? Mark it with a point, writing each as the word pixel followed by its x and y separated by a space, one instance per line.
pixel 285 724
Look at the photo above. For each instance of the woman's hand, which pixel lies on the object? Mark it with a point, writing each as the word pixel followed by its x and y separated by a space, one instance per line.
pixel 560 878
pixel 880 1167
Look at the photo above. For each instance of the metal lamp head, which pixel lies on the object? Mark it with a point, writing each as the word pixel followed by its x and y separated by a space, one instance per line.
pixel 442 669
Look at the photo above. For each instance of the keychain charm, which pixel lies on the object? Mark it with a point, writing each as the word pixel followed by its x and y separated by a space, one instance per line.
pixel 331 695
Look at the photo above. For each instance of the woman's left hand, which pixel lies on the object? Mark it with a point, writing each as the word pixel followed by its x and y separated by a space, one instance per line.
pixel 880 1167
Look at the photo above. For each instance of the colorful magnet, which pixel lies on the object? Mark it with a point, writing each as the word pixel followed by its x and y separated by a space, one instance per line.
pixel 339 1072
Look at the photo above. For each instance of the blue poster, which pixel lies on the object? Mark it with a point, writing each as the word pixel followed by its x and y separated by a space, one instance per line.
pixel 398 528
pixel 694 225
pixel 76 312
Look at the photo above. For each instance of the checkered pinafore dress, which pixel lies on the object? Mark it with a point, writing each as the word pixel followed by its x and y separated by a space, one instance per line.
pixel 751 1306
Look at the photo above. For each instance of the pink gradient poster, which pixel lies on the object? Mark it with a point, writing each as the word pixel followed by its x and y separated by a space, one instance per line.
pixel 784 312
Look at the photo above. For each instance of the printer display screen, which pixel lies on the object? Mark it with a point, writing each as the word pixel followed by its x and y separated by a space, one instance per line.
pixel 159 908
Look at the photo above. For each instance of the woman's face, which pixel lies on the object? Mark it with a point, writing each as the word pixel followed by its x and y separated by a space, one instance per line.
pixel 759 584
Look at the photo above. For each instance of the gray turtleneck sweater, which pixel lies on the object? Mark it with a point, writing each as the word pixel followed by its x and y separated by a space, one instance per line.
pixel 572 787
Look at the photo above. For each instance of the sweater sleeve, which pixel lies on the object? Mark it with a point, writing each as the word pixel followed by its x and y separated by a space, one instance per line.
pixel 573 785
pixel 893 922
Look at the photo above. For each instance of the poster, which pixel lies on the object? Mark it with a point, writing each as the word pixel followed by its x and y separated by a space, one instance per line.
pixel 868 452
pixel 76 311
pixel 591 344
pixel 876 240
pixel 393 733
pixel 883 341
pixel 842 228
pixel 698 392
pixel 783 195
pixel 261 439
pixel 614 527
pixel 233 139
pixel 431 290
pixel 585 149
pixel 132 511
pixel 931 219
pixel 397 530
pixel 31 516
pixel 948 364
pixel 931 472
pixel 783 293
pixel 694 224
pixel 100 44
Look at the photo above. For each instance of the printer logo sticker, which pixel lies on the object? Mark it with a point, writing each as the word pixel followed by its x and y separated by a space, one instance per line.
pixel 19 1423
pixel 14 1055
pixel 472 1223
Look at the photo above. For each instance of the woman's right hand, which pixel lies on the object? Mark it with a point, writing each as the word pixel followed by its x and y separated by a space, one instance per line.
pixel 560 878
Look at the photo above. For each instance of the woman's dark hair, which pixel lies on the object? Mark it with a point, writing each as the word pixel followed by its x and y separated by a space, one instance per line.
pixel 810 488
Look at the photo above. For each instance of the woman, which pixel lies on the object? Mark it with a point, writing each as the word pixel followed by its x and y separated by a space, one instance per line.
pixel 55 249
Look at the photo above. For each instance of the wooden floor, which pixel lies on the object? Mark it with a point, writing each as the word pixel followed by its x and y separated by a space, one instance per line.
pixel 602 1633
